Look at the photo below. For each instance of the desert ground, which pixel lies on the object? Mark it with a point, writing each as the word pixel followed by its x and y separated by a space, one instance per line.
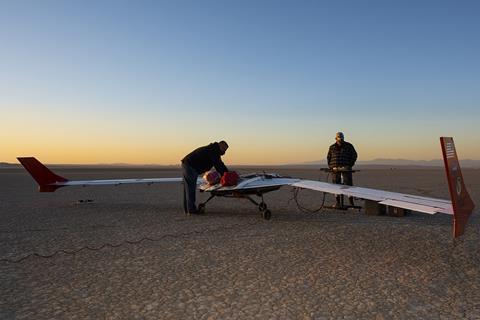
pixel 133 254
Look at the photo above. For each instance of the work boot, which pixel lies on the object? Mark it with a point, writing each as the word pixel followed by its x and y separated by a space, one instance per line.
pixel 195 211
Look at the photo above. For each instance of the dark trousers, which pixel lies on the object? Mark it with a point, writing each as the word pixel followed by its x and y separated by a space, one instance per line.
pixel 347 180
pixel 190 177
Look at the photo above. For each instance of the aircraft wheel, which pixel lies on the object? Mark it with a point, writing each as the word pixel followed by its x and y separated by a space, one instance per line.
pixel 267 214
pixel 201 207
pixel 262 206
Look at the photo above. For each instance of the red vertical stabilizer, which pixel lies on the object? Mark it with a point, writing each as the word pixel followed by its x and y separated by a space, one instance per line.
pixel 462 203
pixel 44 177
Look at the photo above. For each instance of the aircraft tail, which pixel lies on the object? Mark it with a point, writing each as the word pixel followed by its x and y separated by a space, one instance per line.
pixel 461 202
pixel 45 178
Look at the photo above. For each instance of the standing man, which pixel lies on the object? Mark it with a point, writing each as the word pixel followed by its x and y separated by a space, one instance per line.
pixel 341 158
pixel 197 162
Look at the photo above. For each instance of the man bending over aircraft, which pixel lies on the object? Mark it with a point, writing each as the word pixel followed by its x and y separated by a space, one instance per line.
pixel 197 162
pixel 341 156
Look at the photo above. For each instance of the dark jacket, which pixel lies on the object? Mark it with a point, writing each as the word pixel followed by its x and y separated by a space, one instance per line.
pixel 204 158
pixel 341 155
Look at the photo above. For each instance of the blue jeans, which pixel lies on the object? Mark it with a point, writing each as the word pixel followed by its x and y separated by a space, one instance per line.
pixel 190 176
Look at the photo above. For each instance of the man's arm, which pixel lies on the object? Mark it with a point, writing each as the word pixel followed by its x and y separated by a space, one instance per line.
pixel 218 163
pixel 220 166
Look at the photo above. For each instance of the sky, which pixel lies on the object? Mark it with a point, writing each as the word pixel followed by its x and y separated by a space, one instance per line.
pixel 146 82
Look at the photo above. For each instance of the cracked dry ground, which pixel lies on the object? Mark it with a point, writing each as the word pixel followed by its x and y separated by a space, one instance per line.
pixel 231 264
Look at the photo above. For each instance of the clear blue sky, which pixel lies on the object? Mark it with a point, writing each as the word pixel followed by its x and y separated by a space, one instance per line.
pixel 147 81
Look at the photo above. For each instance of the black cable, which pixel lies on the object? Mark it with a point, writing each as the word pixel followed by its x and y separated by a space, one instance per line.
pixel 125 242
pixel 296 191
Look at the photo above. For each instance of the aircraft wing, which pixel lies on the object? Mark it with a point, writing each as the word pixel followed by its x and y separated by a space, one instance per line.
pixel 394 199
pixel 49 181
pixel 115 182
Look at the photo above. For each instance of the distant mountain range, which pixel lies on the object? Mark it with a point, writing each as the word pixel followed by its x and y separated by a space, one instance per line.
pixel 7 165
pixel 467 163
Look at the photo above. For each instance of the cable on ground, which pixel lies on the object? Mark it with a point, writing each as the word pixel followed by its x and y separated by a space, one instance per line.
pixel 123 243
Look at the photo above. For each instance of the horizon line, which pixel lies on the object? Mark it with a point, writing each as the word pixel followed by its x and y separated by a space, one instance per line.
pixel 306 163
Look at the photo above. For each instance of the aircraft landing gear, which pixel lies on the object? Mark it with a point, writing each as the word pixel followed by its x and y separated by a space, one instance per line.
pixel 201 206
pixel 267 214
pixel 262 207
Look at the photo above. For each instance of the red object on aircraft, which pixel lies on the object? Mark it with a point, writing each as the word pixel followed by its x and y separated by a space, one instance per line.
pixel 212 177
pixel 229 178
pixel 461 202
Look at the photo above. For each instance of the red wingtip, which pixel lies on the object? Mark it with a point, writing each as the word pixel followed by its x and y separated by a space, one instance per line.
pixel 461 202
pixel 44 177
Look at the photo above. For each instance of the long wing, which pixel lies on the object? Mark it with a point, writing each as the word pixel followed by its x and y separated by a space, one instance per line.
pixel 115 182
pixel 394 199
pixel 49 181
